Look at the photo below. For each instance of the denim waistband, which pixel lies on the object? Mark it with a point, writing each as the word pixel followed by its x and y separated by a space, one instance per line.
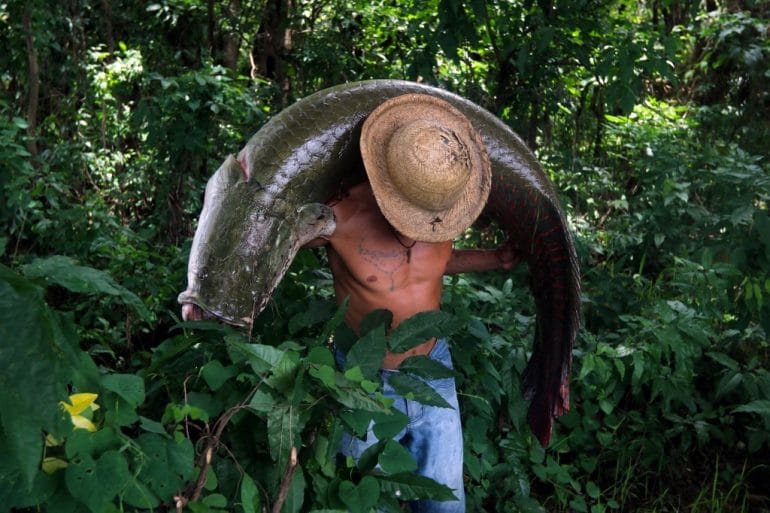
pixel 440 353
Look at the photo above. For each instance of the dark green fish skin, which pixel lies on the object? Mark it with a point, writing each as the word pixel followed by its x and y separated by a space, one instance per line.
pixel 263 206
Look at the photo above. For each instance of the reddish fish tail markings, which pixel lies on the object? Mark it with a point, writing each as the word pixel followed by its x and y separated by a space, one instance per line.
pixel 538 231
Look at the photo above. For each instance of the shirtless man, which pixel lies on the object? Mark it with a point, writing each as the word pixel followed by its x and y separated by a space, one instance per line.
pixel 428 181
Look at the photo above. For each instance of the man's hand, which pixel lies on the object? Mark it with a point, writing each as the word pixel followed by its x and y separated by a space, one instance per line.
pixel 506 257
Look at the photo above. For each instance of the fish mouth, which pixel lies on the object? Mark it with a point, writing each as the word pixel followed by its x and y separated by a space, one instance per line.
pixel 193 309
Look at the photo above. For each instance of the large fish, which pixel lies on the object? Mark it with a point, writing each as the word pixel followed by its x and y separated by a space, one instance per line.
pixel 263 206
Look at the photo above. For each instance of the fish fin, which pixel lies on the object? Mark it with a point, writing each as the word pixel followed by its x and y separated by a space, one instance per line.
pixel 314 220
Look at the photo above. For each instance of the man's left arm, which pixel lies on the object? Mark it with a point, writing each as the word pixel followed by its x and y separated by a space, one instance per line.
pixel 477 260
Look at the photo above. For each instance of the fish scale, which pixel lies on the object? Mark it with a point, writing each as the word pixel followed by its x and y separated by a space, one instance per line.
pixel 309 153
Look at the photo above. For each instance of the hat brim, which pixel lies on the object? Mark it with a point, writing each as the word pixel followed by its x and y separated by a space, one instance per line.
pixel 416 222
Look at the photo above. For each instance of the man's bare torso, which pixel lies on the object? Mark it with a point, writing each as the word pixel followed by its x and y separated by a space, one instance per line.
pixel 378 268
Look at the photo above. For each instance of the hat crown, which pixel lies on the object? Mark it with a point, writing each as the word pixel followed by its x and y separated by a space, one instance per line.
pixel 429 164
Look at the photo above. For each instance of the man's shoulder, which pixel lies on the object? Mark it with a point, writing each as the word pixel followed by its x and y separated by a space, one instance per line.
pixel 357 206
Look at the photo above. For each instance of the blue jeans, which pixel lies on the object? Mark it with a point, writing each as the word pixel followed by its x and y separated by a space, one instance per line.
pixel 433 436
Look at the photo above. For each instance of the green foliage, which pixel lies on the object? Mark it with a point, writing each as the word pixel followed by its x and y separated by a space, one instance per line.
pixel 652 121
pixel 15 170
pixel 283 399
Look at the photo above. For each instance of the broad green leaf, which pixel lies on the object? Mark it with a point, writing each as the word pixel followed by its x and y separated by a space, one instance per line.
pixel 368 354
pixel 251 500
pixel 152 426
pixel 362 497
pixel 325 374
pixel 262 358
pixel 81 442
pixel 335 322
pixel 296 496
pixel 283 431
pixel 760 406
pixel 325 449
pixel 316 312
pixel 217 374
pixel 97 483
pixel 358 420
pixel 354 374
pixel 14 493
pixel 356 398
pixel 210 403
pixel 262 401
pixel 409 487
pixel 321 355
pixel 62 501
pixel 301 386
pixel 368 459
pixel 39 358
pixel 421 327
pixel 413 388
pixel 168 463
pixel 64 271
pixel 139 495
pixel 379 318
pixel 344 337
pixel 212 481
pixel 24 443
pixel 323 458
pixel 578 505
pixel 426 368
pixel 284 376
pixel 215 500
pixel 177 413
pixel 389 424
pixel 395 459
pixel 128 386
pixel 117 412
pixel 727 384
pixel 369 387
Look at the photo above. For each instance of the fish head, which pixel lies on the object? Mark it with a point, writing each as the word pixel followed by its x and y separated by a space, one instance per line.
pixel 245 241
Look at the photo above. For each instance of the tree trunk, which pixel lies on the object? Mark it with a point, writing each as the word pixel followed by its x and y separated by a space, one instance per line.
pixel 232 39
pixel 210 26
pixel 273 44
pixel 107 20
pixel 34 81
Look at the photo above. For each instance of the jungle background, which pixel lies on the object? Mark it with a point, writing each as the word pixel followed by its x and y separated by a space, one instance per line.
pixel 650 117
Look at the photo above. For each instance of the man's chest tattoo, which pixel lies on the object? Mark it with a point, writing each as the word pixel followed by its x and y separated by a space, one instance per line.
pixel 388 262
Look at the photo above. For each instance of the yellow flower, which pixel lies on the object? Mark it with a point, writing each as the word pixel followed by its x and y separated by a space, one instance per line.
pixel 78 404
pixel 52 441
pixel 51 464
pixel 81 422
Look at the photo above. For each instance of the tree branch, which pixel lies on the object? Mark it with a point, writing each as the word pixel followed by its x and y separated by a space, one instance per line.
pixel 288 475
pixel 193 492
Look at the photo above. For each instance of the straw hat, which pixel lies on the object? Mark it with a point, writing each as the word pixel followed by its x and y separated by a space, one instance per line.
pixel 427 166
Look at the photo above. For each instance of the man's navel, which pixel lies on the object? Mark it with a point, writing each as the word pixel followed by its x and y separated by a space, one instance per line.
pixel 371 279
